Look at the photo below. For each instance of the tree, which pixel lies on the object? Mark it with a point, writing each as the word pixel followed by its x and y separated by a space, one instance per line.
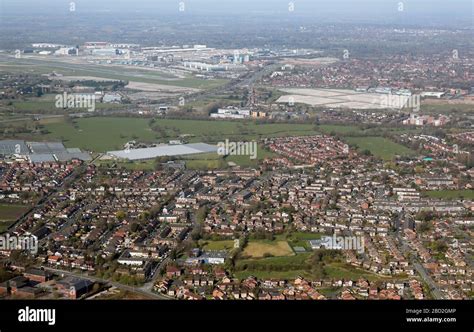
pixel 134 227
pixel 121 215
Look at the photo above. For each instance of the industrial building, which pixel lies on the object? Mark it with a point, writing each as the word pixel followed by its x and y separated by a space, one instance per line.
pixel 231 113
pixel 11 147
pixel 163 151
pixel 40 152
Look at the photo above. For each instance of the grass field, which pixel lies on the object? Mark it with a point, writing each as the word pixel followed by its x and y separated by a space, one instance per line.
pixel 29 106
pixel 447 108
pixel 288 275
pixel 217 245
pixel 285 267
pixel 380 147
pixel 290 267
pixel 258 249
pixel 334 271
pixel 354 131
pixel 205 164
pixel 204 161
pixel 450 194
pixel 260 264
pixel 4 225
pixel 340 129
pixel 135 165
pixel 101 134
pixel 12 212
pixel 345 271
pixel 9 214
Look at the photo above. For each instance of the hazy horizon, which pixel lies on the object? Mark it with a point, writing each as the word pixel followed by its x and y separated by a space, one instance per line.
pixel 215 22
pixel 369 11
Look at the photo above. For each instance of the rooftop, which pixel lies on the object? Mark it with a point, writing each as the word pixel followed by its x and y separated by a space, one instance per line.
pixel 163 150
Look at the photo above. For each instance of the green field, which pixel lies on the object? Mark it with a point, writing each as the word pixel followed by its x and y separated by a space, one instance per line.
pixel 447 108
pixel 205 164
pixel 355 131
pixel 4 225
pixel 29 106
pixel 345 271
pixel 132 165
pixel 9 213
pixel 340 129
pixel 450 194
pixel 333 271
pixel 251 262
pixel 101 134
pixel 290 267
pixel 285 275
pixel 217 245
pixel 380 147
pixel 293 262
pixel 204 161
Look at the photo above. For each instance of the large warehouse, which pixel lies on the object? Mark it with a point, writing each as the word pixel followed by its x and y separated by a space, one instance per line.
pixel 40 152
pixel 163 151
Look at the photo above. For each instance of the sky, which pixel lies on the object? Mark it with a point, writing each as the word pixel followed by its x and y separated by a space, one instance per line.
pixel 358 8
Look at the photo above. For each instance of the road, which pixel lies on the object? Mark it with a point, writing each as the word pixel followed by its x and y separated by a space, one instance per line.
pixel 245 81
pixel 427 278
pixel 147 287
pixel 434 288
pixel 248 82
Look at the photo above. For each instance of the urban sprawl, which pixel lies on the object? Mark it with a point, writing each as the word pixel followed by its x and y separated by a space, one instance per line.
pixel 342 177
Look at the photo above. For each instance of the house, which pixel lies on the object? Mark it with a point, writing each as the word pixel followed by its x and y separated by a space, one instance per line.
pixel 197 271
pixel 172 271
pixel 54 260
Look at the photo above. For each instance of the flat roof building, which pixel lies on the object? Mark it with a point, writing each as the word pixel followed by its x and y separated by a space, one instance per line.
pixel 163 151
pixel 9 147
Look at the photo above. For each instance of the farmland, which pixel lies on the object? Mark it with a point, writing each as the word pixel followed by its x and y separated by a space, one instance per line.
pixel 31 106
pixel 101 134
